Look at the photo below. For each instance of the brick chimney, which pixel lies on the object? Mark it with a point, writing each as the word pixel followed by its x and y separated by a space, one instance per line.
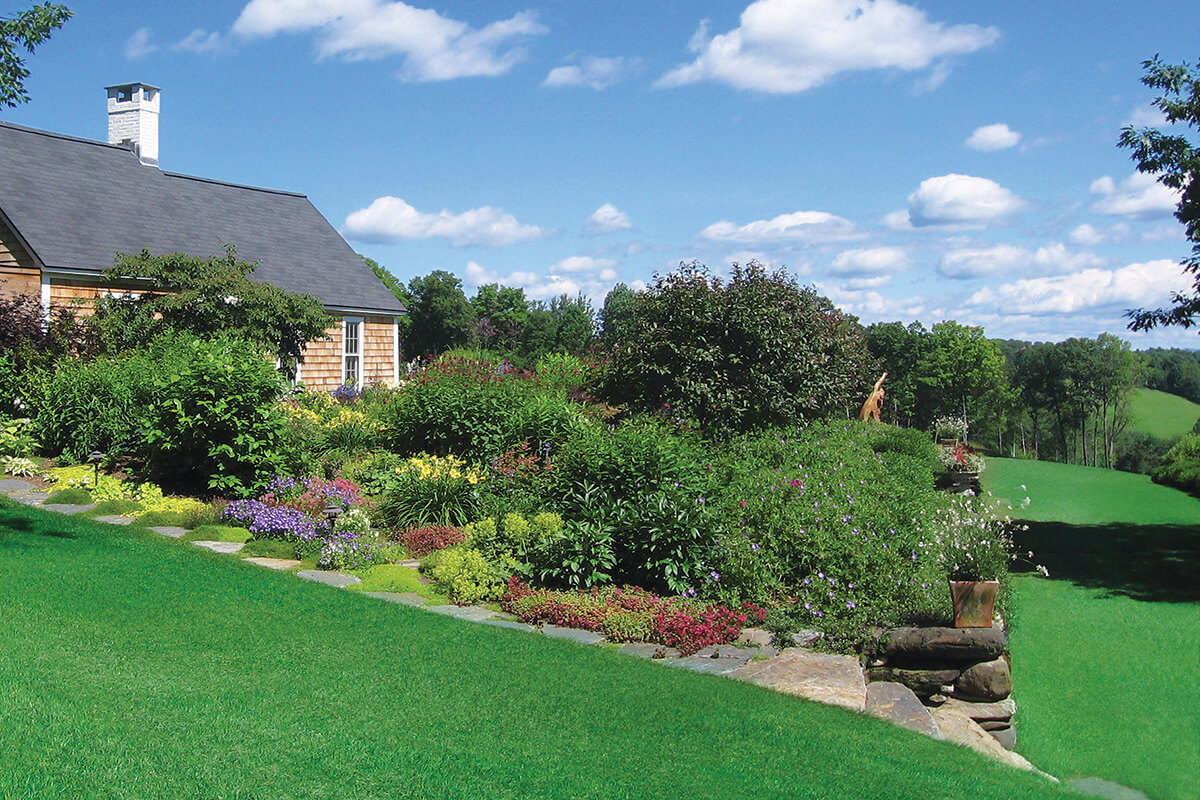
pixel 133 119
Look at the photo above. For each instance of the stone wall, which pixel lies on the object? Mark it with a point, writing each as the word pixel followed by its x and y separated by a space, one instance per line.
pixel 955 672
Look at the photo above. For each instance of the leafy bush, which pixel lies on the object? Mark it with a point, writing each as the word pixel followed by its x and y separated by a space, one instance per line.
pixel 17 466
pixel 630 461
pixel 346 551
pixel 754 351
pixel 213 424
pixel 1138 451
pixel 465 575
pixel 1181 465
pixel 85 406
pixel 429 490
pixel 424 540
pixel 16 437
pixel 820 515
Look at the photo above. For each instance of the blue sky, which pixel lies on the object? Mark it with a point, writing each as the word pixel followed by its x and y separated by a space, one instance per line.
pixel 913 160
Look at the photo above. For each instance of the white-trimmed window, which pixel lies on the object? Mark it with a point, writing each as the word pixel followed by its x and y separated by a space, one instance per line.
pixel 352 328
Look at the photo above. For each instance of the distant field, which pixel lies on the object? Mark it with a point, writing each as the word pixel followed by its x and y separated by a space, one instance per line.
pixel 1105 650
pixel 1163 415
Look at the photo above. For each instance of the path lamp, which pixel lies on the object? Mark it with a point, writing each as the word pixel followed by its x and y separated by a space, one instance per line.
pixel 332 512
pixel 94 458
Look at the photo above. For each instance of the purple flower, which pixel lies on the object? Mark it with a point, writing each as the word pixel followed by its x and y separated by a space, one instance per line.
pixel 716 576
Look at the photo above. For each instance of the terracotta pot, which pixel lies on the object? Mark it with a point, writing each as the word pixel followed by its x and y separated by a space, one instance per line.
pixel 973 603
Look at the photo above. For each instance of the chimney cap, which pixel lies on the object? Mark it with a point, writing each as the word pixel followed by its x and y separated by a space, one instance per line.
pixel 133 83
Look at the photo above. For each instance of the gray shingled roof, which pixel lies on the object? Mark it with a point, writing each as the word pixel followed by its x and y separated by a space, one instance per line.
pixel 77 203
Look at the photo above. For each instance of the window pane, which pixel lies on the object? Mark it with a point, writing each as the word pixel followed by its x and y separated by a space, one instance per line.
pixel 351 338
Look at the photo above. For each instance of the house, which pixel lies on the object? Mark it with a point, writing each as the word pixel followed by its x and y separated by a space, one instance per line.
pixel 69 205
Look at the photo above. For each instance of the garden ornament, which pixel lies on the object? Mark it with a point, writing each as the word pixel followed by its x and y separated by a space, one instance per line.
pixel 874 405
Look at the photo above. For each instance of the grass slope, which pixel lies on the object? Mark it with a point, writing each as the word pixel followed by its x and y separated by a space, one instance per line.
pixel 133 666
pixel 1163 415
pixel 1107 652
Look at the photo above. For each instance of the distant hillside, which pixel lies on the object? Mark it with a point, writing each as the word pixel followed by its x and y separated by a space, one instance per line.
pixel 1163 415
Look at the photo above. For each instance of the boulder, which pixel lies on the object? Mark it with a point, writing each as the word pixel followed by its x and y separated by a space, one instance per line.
pixel 897 704
pixel 988 680
pixel 1006 736
pixel 922 681
pixel 823 677
pixel 961 729
pixel 1000 710
pixel 925 646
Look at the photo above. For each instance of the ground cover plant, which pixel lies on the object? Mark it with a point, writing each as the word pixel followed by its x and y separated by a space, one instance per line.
pixel 1113 634
pixel 136 666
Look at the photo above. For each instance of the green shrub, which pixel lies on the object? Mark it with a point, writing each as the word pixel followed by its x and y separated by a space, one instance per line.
pixel 85 406
pixel 737 355
pixel 630 461
pixel 1137 451
pixel 465 575
pixel 213 425
pixel 580 557
pixel 393 578
pixel 431 490
pixel 16 437
pixel 1181 465
pixel 75 496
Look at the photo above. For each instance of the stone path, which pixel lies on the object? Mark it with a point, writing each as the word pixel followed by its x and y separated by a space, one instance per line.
pixel 822 677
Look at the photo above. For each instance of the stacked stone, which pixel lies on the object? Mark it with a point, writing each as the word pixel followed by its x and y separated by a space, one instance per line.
pixel 965 671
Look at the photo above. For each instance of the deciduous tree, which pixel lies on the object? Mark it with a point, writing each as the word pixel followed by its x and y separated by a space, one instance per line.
pixel 25 31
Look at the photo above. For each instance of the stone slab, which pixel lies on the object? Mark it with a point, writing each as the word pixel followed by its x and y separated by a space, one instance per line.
pixel 68 508
pixel 508 623
pixel 649 650
pixel 220 547
pixel 806 638
pixel 729 652
pixel 329 578
pixel 957 727
pixel 402 598
pixel 1099 787
pixel 29 498
pixel 1000 710
pixel 899 705
pixel 15 485
pixel 1006 736
pixel 469 613
pixel 274 563
pixel 572 634
pixel 114 519
pixel 755 637
pixel 174 531
pixel 411 563
pixel 823 677
pixel 922 681
pixel 924 646
pixel 705 664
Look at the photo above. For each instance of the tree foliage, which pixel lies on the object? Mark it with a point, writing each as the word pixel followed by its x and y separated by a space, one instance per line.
pixel 440 318
pixel 25 31
pixel 741 354
pixel 207 296
pixel 1175 161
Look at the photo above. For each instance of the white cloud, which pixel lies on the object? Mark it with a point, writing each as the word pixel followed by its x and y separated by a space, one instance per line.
pixel 199 41
pixel 608 218
pixel 873 261
pixel 978 262
pixel 878 282
pixel 390 219
pixel 592 72
pixel 798 226
pixel 872 305
pixel 992 137
pixel 434 48
pixel 1165 233
pixel 1141 284
pixel 544 287
pixel 1139 196
pixel 583 264
pixel 795 45
pixel 1089 235
pixel 960 200
pixel 139 45
pixel 1146 116
pixel 1007 260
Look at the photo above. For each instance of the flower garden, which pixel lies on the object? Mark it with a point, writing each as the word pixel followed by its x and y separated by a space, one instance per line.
pixel 515 487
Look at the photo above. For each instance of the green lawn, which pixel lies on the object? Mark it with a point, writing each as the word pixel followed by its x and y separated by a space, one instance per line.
pixel 1106 653
pixel 135 666
pixel 1163 415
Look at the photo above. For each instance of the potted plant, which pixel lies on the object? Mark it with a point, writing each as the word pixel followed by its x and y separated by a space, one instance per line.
pixel 963 466
pixel 973 547
pixel 950 430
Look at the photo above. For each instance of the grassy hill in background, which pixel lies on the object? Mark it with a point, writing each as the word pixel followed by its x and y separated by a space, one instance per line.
pixel 1163 415
pixel 1104 651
